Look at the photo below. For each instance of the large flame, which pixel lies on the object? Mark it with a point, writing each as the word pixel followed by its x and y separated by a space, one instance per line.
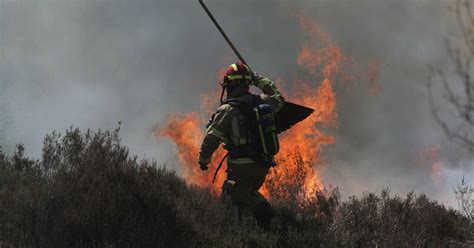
pixel 301 147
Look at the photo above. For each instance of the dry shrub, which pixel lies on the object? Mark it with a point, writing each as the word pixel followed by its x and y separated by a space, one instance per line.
pixel 87 191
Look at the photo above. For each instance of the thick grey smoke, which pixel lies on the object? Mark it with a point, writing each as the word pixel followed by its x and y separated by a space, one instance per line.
pixel 92 63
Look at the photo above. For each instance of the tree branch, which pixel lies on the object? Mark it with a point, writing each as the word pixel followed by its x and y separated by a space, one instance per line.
pixel 452 134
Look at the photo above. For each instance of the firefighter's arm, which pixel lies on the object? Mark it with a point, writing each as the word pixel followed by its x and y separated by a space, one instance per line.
pixel 214 134
pixel 271 94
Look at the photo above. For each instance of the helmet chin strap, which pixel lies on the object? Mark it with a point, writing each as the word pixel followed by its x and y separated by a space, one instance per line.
pixel 225 86
pixel 222 93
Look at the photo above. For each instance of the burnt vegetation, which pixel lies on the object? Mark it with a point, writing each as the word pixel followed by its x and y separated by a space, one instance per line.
pixel 87 191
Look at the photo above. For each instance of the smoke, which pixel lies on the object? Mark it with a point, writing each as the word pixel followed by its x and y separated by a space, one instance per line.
pixel 93 63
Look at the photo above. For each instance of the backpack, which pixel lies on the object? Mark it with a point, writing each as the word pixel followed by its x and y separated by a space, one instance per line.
pixel 261 125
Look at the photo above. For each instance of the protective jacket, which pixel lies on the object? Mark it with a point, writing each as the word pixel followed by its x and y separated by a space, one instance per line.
pixel 229 126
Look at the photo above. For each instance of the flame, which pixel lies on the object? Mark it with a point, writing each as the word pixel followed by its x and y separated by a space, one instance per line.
pixel 430 157
pixel 301 150
pixel 302 145
pixel 185 132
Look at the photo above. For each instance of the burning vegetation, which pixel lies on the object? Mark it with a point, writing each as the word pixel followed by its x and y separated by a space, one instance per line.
pixel 301 146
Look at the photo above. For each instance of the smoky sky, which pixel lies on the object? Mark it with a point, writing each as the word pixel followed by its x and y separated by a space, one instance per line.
pixel 91 64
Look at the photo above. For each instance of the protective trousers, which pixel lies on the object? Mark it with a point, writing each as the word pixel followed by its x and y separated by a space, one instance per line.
pixel 243 182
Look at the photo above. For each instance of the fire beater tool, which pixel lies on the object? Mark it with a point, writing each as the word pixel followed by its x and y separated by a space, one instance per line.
pixel 290 113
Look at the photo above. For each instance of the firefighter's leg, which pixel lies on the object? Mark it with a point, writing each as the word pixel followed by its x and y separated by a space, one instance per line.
pixel 262 210
pixel 242 191
pixel 227 189
pixel 249 178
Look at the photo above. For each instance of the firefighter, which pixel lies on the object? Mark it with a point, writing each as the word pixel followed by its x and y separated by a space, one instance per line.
pixel 231 126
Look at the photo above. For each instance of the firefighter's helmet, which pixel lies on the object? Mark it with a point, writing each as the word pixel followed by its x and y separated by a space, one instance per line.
pixel 237 73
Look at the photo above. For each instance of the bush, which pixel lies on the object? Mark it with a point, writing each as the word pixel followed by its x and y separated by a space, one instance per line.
pixel 86 191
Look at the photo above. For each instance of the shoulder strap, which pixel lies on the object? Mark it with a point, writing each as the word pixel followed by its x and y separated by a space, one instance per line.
pixel 242 106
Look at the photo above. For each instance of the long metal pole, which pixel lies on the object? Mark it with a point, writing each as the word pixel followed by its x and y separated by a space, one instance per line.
pixel 223 34
pixel 291 113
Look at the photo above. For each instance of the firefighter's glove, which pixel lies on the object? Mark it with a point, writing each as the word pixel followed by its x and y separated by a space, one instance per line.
pixel 255 78
pixel 203 162
pixel 203 166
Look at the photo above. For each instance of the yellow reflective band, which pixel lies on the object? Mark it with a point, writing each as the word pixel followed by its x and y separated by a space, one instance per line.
pixel 204 160
pixel 240 161
pixel 233 77
pixel 214 132
pixel 234 66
